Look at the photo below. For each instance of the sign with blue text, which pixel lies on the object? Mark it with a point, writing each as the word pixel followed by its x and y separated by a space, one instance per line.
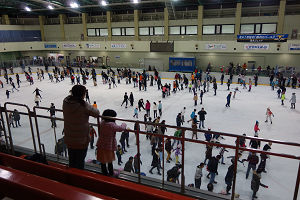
pixel 256 46
pixel 50 46
pixel 262 38
pixel 295 47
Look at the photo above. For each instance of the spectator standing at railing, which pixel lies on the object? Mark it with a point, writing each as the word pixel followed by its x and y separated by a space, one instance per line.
pixel 107 141
pixel 76 125
pixel 16 116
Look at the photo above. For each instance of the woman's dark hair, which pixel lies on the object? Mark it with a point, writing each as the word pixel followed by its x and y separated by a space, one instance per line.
pixel 78 92
pixel 109 113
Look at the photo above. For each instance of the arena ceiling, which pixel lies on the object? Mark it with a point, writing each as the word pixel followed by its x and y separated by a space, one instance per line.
pixel 55 7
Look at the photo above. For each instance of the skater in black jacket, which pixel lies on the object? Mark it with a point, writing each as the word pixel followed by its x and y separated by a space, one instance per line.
pixel 125 100
pixel 131 99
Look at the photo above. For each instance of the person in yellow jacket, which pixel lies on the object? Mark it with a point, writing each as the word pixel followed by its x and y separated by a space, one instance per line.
pixel 282 98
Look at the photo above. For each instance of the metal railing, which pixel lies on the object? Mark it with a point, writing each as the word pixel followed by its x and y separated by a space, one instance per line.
pixel 35 135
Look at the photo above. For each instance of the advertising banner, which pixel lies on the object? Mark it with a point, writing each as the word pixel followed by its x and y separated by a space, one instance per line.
pixel 294 47
pixel 69 45
pixel 50 46
pixel 118 46
pixel 256 46
pixel 262 38
pixel 92 46
pixel 215 46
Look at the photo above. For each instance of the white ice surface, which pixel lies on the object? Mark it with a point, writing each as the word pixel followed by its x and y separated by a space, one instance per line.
pixel 245 109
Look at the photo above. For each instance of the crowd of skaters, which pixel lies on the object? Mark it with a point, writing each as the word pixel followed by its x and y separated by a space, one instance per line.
pixel 180 83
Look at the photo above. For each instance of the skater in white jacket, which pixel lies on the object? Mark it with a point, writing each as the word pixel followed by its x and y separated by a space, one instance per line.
pixel 293 100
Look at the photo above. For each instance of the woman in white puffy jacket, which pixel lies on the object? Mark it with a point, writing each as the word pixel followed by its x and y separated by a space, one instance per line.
pixel 154 109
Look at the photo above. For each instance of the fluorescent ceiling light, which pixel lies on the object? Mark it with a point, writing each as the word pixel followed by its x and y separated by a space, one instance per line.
pixel 103 3
pixel 74 5
pixel 27 9
pixel 135 1
pixel 50 7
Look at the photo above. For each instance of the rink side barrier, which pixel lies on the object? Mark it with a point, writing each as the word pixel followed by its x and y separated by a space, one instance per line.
pixel 183 139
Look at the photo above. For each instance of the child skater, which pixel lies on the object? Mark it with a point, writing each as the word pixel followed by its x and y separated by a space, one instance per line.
pixel 269 115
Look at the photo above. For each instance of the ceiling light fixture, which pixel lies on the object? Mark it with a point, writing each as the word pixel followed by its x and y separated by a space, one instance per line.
pixel 135 1
pixel 27 9
pixel 50 7
pixel 103 3
pixel 74 5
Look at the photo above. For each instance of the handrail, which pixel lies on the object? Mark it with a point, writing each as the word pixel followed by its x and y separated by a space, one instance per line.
pixel 183 139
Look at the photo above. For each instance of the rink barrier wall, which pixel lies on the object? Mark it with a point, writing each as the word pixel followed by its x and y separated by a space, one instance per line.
pixel 183 139
pixel 262 80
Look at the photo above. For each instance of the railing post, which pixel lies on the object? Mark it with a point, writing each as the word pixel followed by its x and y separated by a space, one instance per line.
pixel 182 162
pixel 297 184
pixel 9 132
pixel 138 150
pixel 163 162
pixel 235 166
pixel 4 129
pixel 37 129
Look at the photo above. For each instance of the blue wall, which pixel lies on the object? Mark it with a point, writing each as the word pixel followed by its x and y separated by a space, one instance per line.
pixel 20 36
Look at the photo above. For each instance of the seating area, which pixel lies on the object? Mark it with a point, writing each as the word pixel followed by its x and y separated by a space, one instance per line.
pixel 34 180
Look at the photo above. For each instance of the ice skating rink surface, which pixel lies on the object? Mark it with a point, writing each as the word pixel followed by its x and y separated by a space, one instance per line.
pixel 240 118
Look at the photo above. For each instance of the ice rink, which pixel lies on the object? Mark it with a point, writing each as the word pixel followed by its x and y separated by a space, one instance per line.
pixel 240 118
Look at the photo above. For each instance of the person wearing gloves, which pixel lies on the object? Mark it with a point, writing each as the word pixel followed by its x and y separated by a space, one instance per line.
pixel 255 183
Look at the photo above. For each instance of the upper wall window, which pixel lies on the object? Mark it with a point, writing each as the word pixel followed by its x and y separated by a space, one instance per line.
pixel 144 31
pixel 91 32
pixel 269 28
pixel 191 30
pixel 227 29
pixel 122 31
pixel 258 28
pixel 209 30
pixel 103 32
pixel 174 30
pixel 116 31
pixel 247 28
pixel 129 31
pixel 159 30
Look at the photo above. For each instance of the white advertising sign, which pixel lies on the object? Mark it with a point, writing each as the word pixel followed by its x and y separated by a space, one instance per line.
pixel 118 46
pixel 69 45
pixel 215 46
pixel 256 46
pixel 92 46
pixel 294 47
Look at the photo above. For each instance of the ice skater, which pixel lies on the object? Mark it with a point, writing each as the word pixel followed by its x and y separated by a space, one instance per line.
pixel 282 98
pixel 87 96
pixel 202 114
pixel 131 99
pixel 256 128
pixel 269 115
pixel 37 92
pixel 201 96
pixel 136 113
pixel 195 98
pixel 7 93
pixel 125 100
pixel 255 183
pixel 235 91
pixel 37 100
pixel 228 99
pixel 293 101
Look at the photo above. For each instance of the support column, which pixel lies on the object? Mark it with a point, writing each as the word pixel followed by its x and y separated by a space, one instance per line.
pixel 108 19
pixel 166 24
pixel 62 19
pixel 5 20
pixel 84 26
pixel 238 14
pixel 136 25
pixel 281 13
pixel 200 21
pixel 42 23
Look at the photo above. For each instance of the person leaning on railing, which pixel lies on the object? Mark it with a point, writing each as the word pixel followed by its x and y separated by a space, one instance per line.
pixel 76 113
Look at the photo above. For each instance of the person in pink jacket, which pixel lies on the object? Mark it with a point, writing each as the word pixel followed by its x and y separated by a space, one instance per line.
pixel 148 107
pixel 107 144
pixel 256 127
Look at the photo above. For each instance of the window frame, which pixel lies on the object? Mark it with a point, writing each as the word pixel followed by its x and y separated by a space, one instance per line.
pixel 260 29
